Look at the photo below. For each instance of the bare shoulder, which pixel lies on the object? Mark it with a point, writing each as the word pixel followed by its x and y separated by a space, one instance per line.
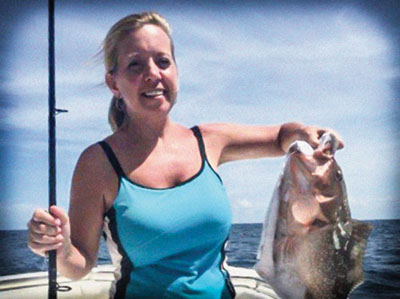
pixel 93 177
pixel 216 137
pixel 92 160
pixel 215 127
pixel 216 131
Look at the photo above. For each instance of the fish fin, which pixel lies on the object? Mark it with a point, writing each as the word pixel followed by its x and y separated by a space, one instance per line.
pixel 265 262
pixel 305 211
pixel 361 230
pixel 359 236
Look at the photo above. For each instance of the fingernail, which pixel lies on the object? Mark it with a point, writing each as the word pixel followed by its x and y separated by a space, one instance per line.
pixel 58 221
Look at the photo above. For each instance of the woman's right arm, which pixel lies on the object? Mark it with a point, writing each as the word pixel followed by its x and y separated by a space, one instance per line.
pixel 76 237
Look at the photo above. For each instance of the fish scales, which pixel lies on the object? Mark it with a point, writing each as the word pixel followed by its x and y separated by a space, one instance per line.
pixel 310 246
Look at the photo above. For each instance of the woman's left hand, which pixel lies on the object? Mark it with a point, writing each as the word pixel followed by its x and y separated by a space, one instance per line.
pixel 291 132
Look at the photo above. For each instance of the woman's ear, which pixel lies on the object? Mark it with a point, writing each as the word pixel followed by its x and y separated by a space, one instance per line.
pixel 112 85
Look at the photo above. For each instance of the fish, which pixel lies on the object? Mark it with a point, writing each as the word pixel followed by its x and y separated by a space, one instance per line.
pixel 310 246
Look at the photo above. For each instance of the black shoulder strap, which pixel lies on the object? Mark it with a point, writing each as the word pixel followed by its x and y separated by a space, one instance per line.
pixel 112 158
pixel 197 133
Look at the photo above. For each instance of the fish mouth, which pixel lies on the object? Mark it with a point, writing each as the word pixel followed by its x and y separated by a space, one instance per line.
pixel 300 146
pixel 302 161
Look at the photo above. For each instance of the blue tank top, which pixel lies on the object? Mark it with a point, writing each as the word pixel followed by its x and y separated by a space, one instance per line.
pixel 169 242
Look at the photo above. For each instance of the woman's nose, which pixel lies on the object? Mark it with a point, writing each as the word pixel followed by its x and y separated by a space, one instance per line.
pixel 152 72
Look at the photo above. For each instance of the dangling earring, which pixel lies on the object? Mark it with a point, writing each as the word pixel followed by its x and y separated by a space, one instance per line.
pixel 119 103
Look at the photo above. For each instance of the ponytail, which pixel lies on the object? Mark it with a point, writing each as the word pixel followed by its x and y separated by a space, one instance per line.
pixel 116 116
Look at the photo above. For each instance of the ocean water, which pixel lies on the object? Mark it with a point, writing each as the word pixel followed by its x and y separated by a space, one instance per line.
pixel 381 263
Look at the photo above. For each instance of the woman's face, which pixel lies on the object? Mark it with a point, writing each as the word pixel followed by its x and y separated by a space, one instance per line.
pixel 146 76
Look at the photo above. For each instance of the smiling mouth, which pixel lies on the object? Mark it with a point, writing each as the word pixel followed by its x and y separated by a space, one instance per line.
pixel 154 93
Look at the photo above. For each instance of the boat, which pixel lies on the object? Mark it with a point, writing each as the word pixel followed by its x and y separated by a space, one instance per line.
pixel 247 283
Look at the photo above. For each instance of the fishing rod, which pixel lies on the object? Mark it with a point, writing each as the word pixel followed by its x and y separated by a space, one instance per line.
pixel 52 291
pixel 53 111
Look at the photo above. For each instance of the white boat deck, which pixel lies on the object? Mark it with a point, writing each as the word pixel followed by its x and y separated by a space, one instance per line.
pixel 97 283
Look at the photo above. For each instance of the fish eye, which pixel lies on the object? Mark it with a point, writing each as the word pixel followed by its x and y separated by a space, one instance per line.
pixel 338 176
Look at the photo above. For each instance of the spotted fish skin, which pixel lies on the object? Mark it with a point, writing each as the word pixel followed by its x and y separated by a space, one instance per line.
pixel 310 246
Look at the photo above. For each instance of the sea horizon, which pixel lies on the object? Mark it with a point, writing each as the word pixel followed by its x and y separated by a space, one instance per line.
pixel 234 223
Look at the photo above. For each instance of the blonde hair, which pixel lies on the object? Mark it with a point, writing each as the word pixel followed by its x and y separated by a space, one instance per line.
pixel 116 115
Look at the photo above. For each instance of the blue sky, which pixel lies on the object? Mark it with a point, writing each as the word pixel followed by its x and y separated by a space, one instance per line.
pixel 328 65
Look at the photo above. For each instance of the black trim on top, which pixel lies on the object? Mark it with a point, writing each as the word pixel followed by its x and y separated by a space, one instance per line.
pixel 202 147
pixel 120 173
pixel 126 264
pixel 113 159
pixel 228 281
pixel 200 141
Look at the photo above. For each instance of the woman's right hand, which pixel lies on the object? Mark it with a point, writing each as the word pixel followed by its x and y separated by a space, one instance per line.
pixel 49 232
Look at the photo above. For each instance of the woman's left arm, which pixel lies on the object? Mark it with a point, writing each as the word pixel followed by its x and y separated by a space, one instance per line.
pixel 230 142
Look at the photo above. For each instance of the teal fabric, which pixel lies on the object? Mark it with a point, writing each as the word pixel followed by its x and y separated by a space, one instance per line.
pixel 174 237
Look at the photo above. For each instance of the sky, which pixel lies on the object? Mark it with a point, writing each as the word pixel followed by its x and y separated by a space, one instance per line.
pixel 327 63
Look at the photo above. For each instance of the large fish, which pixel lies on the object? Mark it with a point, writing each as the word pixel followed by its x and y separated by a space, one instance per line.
pixel 310 246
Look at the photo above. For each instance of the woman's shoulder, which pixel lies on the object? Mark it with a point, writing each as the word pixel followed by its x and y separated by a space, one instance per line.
pixel 91 154
pixel 94 152
pixel 93 160
pixel 93 179
pixel 93 169
pixel 216 130
pixel 215 136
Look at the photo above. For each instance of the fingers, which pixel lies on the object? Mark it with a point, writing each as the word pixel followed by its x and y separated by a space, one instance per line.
pixel 45 230
pixel 40 244
pixel 41 249
pixel 313 134
pixel 291 132
pixel 322 131
pixel 340 141
pixel 45 239
pixel 60 214
pixel 44 223
pixel 43 216
pixel 313 137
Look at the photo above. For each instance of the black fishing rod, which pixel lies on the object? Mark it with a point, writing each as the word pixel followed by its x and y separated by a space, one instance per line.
pixel 52 255
pixel 53 111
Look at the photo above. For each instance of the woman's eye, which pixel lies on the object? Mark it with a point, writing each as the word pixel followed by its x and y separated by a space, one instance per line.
pixel 164 62
pixel 134 65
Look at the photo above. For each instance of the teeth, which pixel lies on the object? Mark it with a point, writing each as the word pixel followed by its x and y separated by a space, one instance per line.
pixel 154 93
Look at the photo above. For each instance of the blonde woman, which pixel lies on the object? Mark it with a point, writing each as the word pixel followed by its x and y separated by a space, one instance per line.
pixel 152 186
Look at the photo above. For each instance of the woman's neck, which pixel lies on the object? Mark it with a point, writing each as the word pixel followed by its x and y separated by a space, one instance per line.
pixel 147 130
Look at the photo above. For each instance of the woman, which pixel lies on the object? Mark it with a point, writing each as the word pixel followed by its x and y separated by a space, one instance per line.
pixel 152 185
